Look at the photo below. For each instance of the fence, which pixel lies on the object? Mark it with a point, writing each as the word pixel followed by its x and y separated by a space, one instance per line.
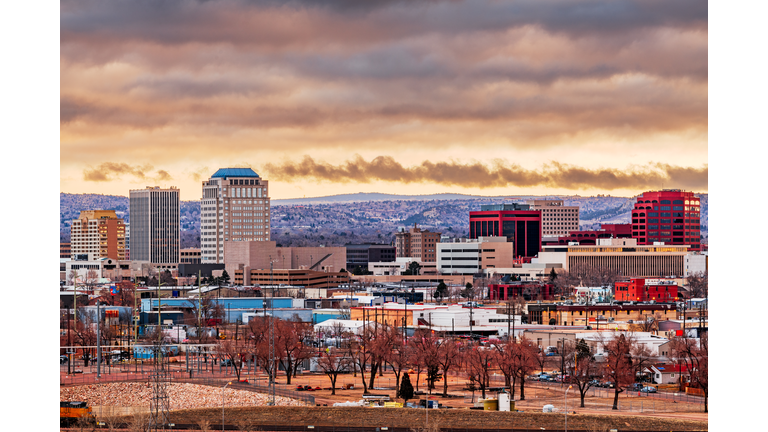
pixel 539 394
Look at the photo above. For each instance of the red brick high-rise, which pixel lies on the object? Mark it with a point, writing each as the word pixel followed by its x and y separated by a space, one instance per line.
pixel 670 216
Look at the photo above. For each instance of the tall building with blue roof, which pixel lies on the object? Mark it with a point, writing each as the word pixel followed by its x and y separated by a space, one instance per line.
pixel 234 207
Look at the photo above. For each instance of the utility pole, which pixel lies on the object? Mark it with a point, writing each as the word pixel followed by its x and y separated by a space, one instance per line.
pixel 509 317
pixel 98 339
pixel 75 315
pixel 272 365
pixel 69 349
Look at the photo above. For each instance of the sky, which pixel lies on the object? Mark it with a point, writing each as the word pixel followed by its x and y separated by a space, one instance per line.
pixel 412 97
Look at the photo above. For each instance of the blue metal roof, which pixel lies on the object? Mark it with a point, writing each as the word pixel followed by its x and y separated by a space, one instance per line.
pixel 234 172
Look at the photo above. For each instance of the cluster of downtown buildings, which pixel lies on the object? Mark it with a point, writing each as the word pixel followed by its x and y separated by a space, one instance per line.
pixel 511 251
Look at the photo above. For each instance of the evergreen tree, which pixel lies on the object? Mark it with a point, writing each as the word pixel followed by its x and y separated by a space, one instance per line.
pixel 552 275
pixel 225 277
pixel 467 291
pixel 441 291
pixel 406 388
pixel 582 350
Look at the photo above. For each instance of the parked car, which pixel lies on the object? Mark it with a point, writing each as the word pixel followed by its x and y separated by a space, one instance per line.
pixel 635 387
pixel 594 383
pixel 607 384
pixel 226 362
pixel 648 389
pixel 544 377
pixel 63 359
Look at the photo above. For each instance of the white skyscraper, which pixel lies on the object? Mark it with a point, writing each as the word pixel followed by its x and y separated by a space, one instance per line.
pixel 234 207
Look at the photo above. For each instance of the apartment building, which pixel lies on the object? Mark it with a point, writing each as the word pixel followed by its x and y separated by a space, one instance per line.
pixel 417 244
pixel 97 234
pixel 234 208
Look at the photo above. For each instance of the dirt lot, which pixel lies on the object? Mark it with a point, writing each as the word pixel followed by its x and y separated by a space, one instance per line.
pixel 646 413
pixel 446 419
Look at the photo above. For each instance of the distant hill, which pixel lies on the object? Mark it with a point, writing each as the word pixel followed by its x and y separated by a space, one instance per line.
pixel 374 196
pixel 366 217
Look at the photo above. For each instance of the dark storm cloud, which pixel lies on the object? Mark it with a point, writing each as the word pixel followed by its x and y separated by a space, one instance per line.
pixel 184 21
pixel 109 171
pixel 586 80
pixel 500 174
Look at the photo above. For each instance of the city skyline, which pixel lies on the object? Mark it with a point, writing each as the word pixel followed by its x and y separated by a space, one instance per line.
pixel 472 97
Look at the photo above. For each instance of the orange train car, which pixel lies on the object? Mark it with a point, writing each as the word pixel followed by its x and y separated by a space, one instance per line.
pixel 70 412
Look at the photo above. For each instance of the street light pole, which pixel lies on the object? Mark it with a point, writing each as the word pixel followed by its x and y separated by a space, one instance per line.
pixel 222 404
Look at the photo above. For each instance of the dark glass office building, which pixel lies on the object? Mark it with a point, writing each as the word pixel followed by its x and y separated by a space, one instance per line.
pixel 517 222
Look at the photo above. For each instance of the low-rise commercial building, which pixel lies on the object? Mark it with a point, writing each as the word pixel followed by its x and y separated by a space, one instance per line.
pixel 645 289
pixel 472 256
pixel 597 315
pixel 624 256
pixel 303 278
pixel 261 255
pixel 361 255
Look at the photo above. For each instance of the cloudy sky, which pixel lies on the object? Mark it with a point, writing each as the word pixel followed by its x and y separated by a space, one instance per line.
pixel 326 97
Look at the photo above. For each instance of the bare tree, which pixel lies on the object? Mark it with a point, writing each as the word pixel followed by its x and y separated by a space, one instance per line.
pixel 447 357
pixel 477 361
pixel 425 345
pixel 91 279
pixel 695 354
pixel 506 362
pixel 618 365
pixel 582 367
pixel 360 351
pixel 396 356
pixel 333 362
pixel 236 352
pixel 698 285
pixel 593 276
pixel 290 345
pixel 525 361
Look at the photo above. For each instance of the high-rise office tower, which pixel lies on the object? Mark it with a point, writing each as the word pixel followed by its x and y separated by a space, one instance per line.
pixel 98 234
pixel 517 222
pixel 234 207
pixel 670 216
pixel 154 215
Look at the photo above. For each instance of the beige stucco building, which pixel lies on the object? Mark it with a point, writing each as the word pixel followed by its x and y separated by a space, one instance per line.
pixel 257 255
